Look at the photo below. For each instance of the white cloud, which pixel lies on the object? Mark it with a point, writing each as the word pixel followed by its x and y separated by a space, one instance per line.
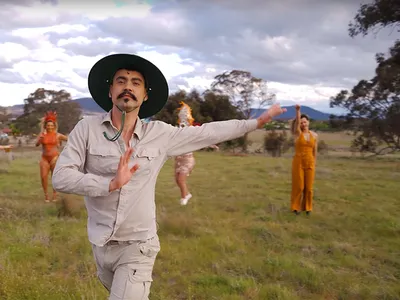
pixel 301 93
pixel 92 10
pixel 40 31
pixel 101 10
pixel 301 48
pixel 13 51
pixel 197 82
pixel 170 64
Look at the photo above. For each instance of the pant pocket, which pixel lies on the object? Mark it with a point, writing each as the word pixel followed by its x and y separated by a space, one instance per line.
pixel 129 285
pixel 149 248
pixel 136 290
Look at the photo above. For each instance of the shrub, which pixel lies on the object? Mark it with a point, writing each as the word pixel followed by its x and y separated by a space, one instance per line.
pixel 276 143
pixel 322 147
pixel 4 141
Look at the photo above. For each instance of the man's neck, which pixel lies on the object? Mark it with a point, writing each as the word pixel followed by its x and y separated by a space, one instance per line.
pixel 130 121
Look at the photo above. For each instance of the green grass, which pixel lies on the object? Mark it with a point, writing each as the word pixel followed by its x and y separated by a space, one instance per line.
pixel 236 239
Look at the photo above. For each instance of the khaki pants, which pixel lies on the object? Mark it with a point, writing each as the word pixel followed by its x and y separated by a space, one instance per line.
pixel 125 268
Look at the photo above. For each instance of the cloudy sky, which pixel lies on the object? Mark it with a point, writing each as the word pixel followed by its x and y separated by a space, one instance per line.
pixel 301 47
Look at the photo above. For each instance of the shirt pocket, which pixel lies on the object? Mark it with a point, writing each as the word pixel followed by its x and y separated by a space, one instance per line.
pixel 103 160
pixel 146 158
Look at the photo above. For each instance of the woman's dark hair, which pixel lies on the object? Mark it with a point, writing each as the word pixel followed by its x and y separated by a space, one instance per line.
pixel 293 125
pixel 305 116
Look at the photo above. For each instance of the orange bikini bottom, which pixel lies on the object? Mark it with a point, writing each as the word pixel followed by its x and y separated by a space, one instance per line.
pixel 51 159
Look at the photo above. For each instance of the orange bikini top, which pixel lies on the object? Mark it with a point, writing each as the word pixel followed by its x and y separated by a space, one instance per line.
pixel 50 140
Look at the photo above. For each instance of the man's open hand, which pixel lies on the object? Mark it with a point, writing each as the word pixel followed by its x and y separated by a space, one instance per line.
pixel 124 173
pixel 267 116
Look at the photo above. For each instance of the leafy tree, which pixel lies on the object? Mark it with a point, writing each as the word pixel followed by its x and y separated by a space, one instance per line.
pixel 5 116
pixel 320 126
pixel 27 124
pixel 380 13
pixel 69 113
pixel 244 91
pixel 168 113
pixel 218 108
pixel 210 107
pixel 14 130
pixel 42 100
pixel 338 123
pixel 206 108
pixel 375 104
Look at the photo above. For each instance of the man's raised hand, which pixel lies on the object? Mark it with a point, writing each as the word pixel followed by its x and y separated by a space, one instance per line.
pixel 124 172
pixel 267 116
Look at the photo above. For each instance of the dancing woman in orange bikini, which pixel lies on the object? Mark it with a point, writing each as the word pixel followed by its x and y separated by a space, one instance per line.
pixel 185 163
pixel 303 164
pixel 50 140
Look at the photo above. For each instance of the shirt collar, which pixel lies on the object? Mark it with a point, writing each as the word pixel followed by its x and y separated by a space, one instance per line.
pixel 138 128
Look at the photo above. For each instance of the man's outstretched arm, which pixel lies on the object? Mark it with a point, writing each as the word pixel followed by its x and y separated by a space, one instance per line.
pixel 193 138
pixel 68 176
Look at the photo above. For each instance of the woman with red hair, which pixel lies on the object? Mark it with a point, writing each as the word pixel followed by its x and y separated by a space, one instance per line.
pixel 50 140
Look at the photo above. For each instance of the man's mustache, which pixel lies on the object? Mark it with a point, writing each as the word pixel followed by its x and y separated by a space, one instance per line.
pixel 126 93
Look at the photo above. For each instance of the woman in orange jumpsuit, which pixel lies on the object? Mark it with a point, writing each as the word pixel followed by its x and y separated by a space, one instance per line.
pixel 303 164
pixel 50 140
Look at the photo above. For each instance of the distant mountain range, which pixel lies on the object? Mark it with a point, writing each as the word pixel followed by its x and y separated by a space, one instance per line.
pixel 291 113
pixel 89 107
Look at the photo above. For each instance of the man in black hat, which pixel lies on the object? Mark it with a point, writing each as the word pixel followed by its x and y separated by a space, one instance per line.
pixel 114 160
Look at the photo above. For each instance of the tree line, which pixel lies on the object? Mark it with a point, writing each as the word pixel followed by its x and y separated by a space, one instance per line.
pixel 231 96
pixel 373 106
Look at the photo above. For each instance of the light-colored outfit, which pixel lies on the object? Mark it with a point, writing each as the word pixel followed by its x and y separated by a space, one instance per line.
pixel 185 163
pixel 8 151
pixel 86 166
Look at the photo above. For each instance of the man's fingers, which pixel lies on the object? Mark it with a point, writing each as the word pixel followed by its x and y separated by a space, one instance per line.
pixel 134 168
pixel 128 154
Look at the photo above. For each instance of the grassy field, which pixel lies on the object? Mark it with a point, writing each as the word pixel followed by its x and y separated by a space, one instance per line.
pixel 235 240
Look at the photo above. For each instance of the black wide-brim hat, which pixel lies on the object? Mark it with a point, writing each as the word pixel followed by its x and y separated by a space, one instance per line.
pixel 101 76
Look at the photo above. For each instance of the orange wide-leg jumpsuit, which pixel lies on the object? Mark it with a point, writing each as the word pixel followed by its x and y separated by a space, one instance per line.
pixel 303 173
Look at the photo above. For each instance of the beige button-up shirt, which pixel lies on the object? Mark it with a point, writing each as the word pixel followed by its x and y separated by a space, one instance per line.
pixel 88 162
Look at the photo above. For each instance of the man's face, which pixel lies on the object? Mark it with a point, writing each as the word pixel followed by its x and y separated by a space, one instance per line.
pixel 128 90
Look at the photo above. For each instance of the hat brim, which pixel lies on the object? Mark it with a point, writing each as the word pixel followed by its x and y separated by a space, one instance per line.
pixel 100 77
